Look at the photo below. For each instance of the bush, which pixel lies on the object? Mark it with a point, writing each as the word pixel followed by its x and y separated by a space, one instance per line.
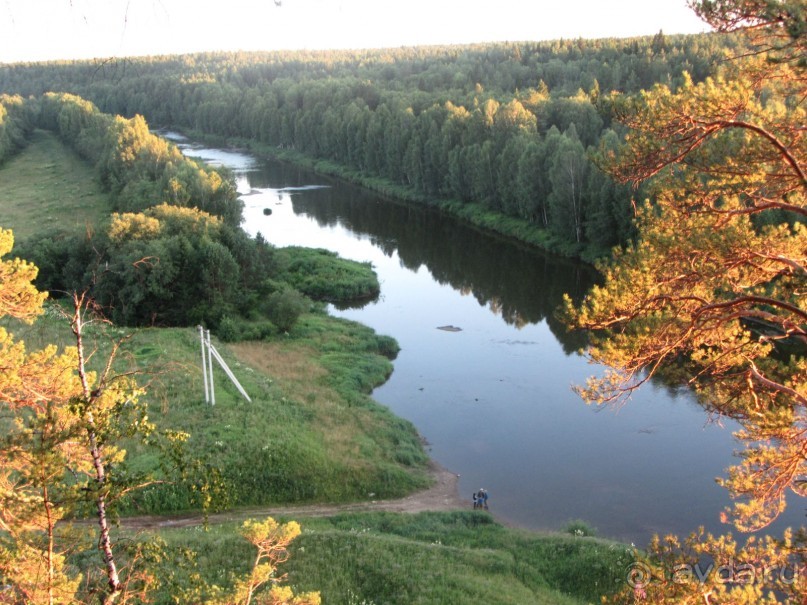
pixel 228 330
pixel 236 330
pixel 285 307
pixel 580 528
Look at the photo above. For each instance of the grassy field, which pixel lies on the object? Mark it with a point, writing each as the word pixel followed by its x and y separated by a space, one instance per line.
pixel 48 188
pixel 427 558
pixel 310 434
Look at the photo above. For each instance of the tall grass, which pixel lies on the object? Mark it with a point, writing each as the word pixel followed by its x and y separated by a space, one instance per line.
pixel 428 558
pixel 311 433
pixel 322 275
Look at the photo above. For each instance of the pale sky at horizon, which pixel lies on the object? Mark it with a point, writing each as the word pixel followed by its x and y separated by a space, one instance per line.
pixel 36 30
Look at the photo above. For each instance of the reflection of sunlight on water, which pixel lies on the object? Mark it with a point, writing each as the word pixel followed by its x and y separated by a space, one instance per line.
pixel 236 161
pixel 217 157
pixel 242 184
pixel 303 188
pixel 301 229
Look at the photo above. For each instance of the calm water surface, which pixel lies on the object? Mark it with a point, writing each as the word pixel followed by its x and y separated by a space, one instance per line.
pixel 494 400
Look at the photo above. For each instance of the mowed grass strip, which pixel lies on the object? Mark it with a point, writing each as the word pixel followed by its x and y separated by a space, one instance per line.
pixel 48 188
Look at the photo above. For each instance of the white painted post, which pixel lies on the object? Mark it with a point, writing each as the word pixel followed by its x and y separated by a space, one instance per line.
pixel 204 363
pixel 210 364
pixel 229 372
pixel 209 352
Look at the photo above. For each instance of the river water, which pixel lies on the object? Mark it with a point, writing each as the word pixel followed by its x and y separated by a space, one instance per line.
pixel 494 399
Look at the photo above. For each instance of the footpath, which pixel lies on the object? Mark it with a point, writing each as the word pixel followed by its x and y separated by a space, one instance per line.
pixel 442 496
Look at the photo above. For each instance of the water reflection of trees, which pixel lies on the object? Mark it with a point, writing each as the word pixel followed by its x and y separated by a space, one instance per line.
pixel 520 284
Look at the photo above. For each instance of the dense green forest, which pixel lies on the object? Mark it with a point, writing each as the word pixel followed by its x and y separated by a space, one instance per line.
pixel 172 253
pixel 510 128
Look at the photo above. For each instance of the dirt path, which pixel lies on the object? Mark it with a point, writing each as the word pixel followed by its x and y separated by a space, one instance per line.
pixel 442 496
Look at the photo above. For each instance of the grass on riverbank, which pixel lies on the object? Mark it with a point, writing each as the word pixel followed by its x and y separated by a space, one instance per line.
pixel 311 434
pixel 434 558
pixel 323 275
pixel 48 188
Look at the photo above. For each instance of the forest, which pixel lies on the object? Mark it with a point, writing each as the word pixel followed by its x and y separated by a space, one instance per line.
pixel 514 129
pixel 703 286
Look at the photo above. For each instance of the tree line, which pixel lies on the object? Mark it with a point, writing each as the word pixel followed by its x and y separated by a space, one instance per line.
pixel 509 128
pixel 15 125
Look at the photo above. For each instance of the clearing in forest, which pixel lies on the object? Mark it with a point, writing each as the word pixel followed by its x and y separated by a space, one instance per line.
pixel 48 188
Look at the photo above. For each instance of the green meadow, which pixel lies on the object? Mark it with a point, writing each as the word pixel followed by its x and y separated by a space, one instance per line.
pixel 426 558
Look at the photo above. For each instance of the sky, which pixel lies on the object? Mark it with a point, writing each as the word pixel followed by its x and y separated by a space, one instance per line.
pixel 37 30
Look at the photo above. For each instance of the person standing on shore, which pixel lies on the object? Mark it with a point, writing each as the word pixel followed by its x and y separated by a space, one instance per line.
pixel 481 499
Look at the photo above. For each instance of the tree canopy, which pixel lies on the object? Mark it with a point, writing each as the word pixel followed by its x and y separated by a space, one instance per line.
pixel 712 294
pixel 468 124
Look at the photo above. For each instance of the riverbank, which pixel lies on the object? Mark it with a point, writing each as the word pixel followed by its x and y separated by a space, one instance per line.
pixel 442 496
pixel 498 391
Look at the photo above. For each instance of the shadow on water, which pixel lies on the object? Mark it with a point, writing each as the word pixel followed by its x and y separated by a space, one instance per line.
pixel 522 285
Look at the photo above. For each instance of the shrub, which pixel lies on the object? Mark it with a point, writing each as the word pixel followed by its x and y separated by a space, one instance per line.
pixel 236 329
pixel 285 307
pixel 580 528
pixel 228 330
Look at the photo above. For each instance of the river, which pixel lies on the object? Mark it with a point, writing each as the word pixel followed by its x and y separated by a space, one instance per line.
pixel 493 400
